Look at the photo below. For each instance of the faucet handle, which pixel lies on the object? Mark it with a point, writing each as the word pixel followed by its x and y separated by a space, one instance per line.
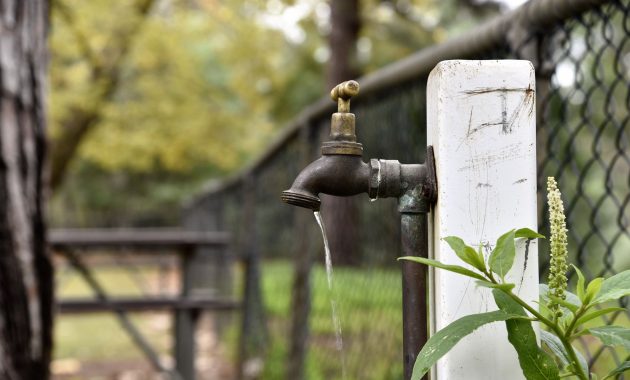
pixel 342 94
pixel 343 139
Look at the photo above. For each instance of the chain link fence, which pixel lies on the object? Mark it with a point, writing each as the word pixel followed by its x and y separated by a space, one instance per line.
pixel 582 57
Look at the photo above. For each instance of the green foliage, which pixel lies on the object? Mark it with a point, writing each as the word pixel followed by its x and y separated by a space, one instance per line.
pixel 535 362
pixel 442 341
pixel 465 252
pixel 450 268
pixel 502 256
pixel 612 335
pixel 559 350
pixel 625 366
pixel 491 285
pixel 597 313
pixel 194 90
pixel 565 323
pixel 187 94
pixel 614 288
pixel 527 233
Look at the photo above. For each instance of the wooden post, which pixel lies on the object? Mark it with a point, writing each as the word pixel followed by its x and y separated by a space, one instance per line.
pixel 26 270
pixel 481 123
pixel 185 322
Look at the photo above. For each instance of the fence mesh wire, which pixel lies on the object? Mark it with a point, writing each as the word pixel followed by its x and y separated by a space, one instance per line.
pixel 584 133
pixel 583 97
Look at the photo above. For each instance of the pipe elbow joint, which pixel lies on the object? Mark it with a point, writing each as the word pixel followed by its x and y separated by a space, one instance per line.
pixel 339 175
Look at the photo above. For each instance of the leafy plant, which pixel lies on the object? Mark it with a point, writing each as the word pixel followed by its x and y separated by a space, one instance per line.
pixel 562 313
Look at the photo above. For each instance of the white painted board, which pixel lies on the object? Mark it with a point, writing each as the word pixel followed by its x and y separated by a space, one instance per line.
pixel 481 123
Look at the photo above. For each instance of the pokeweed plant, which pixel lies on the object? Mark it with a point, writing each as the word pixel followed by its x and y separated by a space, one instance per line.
pixel 563 314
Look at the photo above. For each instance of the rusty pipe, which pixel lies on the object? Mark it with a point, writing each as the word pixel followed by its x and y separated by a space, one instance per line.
pixel 340 175
pixel 341 172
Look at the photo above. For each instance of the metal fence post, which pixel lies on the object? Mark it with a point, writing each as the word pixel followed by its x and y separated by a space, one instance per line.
pixel 253 338
pixel 185 321
pixel 303 264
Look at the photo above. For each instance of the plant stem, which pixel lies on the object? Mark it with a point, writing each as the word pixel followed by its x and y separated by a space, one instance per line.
pixel 569 332
pixel 557 330
pixel 553 326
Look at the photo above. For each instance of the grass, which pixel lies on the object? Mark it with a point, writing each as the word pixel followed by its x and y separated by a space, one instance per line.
pixel 88 337
pixel 368 301
pixel 369 304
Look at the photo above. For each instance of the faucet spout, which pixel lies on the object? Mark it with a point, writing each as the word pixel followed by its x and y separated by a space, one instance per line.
pixel 340 175
pixel 340 171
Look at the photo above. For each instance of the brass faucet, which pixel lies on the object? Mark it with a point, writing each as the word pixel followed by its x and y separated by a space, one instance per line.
pixel 340 171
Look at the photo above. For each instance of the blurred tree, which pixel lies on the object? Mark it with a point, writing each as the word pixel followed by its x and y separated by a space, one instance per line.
pixel 199 87
pixel 26 278
pixel 341 213
pixel 191 98
pixel 101 69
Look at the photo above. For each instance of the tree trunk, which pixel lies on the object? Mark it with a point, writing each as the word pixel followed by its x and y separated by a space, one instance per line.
pixel 26 286
pixel 341 214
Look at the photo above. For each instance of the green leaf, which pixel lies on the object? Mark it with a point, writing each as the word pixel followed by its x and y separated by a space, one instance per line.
pixel 480 257
pixel 612 335
pixel 596 313
pixel 573 308
pixel 579 287
pixel 555 345
pixel 535 363
pixel 466 253
pixel 487 284
pixel 593 289
pixel 445 339
pixel 528 234
pixel 542 307
pixel 625 366
pixel 502 256
pixel 451 268
pixel 614 287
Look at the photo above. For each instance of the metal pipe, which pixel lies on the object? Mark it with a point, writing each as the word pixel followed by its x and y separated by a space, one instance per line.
pixel 341 171
pixel 414 238
pixel 414 205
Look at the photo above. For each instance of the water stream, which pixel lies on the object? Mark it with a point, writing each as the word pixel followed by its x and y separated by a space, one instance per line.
pixel 333 305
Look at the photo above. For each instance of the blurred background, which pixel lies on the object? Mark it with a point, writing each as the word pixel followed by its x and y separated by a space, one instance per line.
pixel 166 114
pixel 151 99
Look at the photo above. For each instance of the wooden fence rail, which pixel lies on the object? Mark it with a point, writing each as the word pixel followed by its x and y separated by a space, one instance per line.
pixel 75 244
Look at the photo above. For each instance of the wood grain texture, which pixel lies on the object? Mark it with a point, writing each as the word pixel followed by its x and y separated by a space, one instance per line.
pixel 25 269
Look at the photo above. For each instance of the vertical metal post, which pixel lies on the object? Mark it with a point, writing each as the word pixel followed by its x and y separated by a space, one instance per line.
pixel 414 230
pixel 415 242
pixel 303 264
pixel 253 334
pixel 185 322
